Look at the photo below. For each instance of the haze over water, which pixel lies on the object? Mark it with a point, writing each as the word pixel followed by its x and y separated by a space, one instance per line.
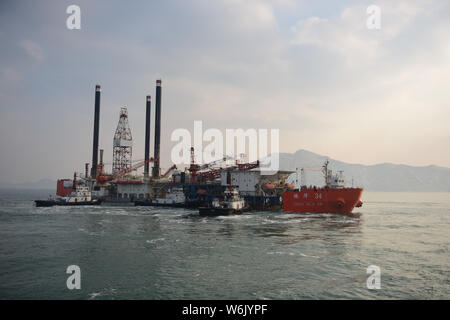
pixel 154 253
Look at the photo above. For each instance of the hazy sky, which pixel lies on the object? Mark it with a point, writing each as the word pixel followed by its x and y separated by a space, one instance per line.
pixel 310 68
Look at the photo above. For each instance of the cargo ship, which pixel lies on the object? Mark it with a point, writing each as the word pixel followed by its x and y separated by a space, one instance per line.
pixel 334 197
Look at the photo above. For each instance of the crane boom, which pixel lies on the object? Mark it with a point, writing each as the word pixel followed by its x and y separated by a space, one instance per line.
pixel 169 171
pixel 105 178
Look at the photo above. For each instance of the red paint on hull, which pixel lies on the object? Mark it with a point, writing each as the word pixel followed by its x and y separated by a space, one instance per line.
pixel 322 200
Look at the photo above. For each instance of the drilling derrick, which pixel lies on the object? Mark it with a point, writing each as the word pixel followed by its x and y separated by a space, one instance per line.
pixel 122 144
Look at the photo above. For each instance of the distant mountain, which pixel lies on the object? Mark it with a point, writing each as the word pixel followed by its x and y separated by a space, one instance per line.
pixel 379 177
pixel 41 184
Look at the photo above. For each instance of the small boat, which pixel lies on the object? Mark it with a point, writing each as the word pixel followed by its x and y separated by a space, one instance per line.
pixel 81 196
pixel 45 203
pixel 231 204
pixel 60 202
pixel 194 203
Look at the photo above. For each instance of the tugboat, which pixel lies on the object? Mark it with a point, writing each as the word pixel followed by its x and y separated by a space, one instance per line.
pixel 80 196
pixel 174 198
pixel 231 204
pixel 334 197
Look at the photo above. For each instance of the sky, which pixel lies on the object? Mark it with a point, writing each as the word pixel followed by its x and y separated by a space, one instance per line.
pixel 309 68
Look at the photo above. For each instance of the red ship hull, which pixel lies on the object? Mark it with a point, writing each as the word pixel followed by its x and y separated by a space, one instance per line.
pixel 322 200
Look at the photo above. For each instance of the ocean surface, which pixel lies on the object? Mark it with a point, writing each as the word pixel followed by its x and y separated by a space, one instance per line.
pixel 154 253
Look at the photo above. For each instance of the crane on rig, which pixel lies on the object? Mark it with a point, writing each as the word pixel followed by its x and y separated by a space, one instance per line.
pixel 212 172
pixel 193 167
pixel 247 166
pixel 166 174
pixel 212 164
pixel 102 179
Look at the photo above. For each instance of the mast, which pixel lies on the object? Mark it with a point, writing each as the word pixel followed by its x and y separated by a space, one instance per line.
pixel 325 172
pixel 122 144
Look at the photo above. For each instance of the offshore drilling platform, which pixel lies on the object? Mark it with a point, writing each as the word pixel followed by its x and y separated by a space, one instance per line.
pixel 212 188
pixel 198 185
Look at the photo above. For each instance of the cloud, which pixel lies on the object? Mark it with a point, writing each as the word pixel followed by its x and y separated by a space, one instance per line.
pixel 285 3
pixel 33 50
pixel 331 85
pixel 347 35
pixel 252 15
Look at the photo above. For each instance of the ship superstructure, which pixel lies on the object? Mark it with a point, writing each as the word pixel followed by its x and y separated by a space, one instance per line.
pixel 80 196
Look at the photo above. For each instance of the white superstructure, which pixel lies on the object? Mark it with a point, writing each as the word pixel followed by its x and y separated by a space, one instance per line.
pixel 173 196
pixel 251 182
pixel 231 200
pixel 81 193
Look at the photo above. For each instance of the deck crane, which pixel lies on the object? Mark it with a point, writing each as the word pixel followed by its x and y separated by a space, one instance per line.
pixel 166 174
pixel 210 175
pixel 214 173
pixel 216 162
pixel 102 179
pixel 248 166
pixel 324 169
pixel 194 167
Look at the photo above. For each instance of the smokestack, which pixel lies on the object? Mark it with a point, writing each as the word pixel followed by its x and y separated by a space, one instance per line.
pixel 157 129
pixel 96 131
pixel 147 137
pixel 86 171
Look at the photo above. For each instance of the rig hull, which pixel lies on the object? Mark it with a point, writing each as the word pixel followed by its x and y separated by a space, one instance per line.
pixel 322 200
pixel 51 203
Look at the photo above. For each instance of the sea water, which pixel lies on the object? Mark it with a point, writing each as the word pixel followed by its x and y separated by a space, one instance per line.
pixel 158 253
